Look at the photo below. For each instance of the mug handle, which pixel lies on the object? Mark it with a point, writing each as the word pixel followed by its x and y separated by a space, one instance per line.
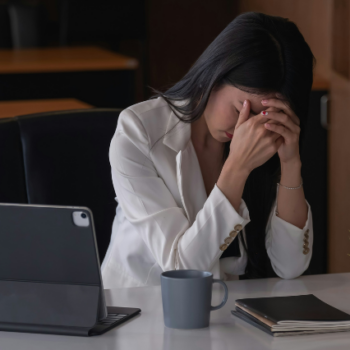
pixel 225 296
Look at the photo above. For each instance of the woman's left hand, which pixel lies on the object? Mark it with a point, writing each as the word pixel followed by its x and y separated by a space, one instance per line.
pixel 282 120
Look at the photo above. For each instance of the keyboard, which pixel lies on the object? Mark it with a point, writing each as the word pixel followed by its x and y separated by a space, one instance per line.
pixel 116 316
pixel 111 318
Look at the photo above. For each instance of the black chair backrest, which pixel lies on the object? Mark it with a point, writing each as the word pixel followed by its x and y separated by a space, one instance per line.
pixel 12 179
pixel 5 31
pixel 66 163
pixel 27 23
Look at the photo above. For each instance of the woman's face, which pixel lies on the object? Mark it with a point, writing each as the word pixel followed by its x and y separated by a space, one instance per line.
pixel 223 108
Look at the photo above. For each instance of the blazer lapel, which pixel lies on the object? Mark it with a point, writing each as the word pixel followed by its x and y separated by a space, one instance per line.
pixel 188 172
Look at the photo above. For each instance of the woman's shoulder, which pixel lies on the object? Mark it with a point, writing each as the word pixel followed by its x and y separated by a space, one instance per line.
pixel 146 120
pixel 149 108
pixel 150 115
pixel 142 124
pixel 147 111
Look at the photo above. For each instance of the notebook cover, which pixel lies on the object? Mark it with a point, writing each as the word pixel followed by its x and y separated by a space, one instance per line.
pixel 300 307
pixel 251 320
pixel 254 322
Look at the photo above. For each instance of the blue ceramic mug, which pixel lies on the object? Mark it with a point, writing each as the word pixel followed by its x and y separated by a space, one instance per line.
pixel 186 296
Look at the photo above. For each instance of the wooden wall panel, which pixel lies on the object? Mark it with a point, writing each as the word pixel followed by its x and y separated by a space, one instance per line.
pixel 178 33
pixel 313 18
pixel 339 143
pixel 339 176
pixel 340 38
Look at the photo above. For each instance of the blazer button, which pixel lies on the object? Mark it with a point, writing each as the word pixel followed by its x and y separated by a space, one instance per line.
pixel 306 245
pixel 306 250
pixel 223 247
pixel 305 240
pixel 306 235
pixel 228 240
pixel 238 227
pixel 233 234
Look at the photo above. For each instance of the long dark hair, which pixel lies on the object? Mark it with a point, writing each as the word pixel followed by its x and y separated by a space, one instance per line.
pixel 259 54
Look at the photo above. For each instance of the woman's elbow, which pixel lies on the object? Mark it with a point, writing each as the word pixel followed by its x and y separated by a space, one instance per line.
pixel 291 271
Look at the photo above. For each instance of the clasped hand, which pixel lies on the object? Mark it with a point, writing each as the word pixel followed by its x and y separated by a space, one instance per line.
pixel 258 138
pixel 283 121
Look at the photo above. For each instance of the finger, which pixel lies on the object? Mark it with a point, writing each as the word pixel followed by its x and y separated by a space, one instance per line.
pixel 271 121
pixel 281 130
pixel 283 105
pixel 267 119
pixel 281 118
pixel 275 135
pixel 273 109
pixel 244 113
pixel 279 142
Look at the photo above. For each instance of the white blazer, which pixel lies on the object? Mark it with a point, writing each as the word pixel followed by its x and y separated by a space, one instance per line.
pixel 165 221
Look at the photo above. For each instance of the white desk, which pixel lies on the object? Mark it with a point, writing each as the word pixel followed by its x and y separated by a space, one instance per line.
pixel 147 331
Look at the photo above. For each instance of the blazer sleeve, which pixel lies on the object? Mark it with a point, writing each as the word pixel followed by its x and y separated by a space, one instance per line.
pixel 285 244
pixel 149 205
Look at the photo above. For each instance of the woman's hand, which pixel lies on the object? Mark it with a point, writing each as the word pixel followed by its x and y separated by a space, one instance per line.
pixel 283 121
pixel 252 143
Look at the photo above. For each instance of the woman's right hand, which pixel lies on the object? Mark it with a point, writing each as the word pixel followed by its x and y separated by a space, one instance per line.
pixel 252 144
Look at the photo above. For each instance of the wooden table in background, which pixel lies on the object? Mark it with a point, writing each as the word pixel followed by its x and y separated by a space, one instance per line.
pixel 15 108
pixel 63 59
pixel 98 76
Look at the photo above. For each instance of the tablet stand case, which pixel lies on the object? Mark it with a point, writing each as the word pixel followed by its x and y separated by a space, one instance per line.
pixel 50 278
pixel 48 308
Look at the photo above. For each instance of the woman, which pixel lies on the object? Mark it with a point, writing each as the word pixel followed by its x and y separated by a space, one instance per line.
pixel 206 181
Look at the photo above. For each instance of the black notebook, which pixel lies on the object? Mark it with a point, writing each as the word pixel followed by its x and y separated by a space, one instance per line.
pixel 292 315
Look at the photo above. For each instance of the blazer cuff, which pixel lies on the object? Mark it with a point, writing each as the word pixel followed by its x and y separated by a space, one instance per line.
pixel 215 228
pixel 285 245
pixel 234 221
pixel 243 212
pixel 292 228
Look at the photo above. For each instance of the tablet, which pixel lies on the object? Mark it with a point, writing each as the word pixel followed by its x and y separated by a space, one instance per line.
pixel 50 279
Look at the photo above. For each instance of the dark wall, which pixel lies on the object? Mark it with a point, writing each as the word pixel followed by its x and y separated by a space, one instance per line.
pixel 103 21
pixel 178 32
pixel 166 36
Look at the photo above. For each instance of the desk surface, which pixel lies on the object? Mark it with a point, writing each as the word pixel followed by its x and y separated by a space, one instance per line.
pixel 15 108
pixel 147 331
pixel 63 59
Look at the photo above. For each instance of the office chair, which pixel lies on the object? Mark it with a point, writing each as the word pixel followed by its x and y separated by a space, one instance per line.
pixel 27 24
pixel 5 32
pixel 12 179
pixel 66 163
